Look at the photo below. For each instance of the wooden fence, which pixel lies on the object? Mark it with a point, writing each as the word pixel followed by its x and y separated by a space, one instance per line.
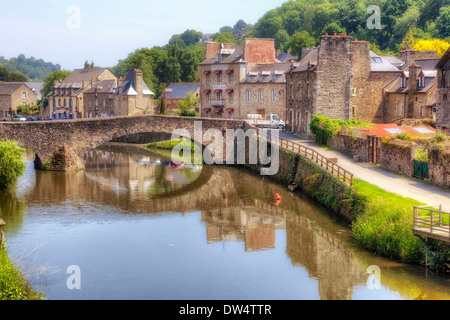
pixel 431 222
pixel 322 161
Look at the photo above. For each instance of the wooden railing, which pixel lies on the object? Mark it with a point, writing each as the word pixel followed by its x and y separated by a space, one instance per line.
pixel 431 221
pixel 316 157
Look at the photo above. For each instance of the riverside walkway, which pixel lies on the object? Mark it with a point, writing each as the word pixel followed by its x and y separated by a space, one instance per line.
pixel 386 180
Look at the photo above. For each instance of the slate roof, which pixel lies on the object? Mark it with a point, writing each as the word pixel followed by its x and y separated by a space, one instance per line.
pixel 10 87
pixel 129 85
pixel 180 90
pixel 230 55
pixel 268 73
pixel 309 60
pixel 36 87
pixel 381 64
pixel 105 86
pixel 78 75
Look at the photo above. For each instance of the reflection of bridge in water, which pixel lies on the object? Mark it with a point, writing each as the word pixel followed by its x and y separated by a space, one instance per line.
pixel 234 206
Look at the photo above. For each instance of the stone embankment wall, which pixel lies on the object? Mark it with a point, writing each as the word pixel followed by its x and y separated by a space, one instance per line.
pixel 320 185
pixel 439 166
pixel 398 156
pixel 354 146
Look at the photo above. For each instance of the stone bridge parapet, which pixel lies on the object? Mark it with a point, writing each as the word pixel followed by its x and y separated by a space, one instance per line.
pixel 63 144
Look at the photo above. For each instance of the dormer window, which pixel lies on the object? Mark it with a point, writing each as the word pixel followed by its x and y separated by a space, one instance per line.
pixel 421 80
pixel 403 81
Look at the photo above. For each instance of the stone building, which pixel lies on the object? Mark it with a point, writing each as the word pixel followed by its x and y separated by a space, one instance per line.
pixel 341 79
pixel 124 96
pixel 443 92
pixel 236 80
pixel 412 95
pixel 178 91
pixel 66 101
pixel 12 95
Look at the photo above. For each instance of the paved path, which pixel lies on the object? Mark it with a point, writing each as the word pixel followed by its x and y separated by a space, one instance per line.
pixel 389 181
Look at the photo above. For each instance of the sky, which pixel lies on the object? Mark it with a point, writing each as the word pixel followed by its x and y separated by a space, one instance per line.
pixel 69 32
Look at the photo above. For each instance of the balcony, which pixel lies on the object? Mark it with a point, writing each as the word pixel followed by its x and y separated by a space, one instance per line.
pixel 218 103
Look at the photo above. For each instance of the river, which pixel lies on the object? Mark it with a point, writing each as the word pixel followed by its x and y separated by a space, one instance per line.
pixel 135 226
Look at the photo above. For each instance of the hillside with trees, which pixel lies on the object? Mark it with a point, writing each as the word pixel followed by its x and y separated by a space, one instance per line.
pixel 419 24
pixel 34 69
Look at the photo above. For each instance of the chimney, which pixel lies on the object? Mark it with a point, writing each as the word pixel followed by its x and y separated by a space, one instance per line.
pixel 414 71
pixel 139 82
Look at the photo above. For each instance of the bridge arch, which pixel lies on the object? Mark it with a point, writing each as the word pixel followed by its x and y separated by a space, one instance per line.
pixel 61 144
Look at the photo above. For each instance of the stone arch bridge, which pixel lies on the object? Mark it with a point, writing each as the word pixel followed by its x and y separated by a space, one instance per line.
pixel 63 144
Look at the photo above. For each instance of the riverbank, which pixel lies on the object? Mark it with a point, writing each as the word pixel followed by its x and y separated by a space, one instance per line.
pixel 381 221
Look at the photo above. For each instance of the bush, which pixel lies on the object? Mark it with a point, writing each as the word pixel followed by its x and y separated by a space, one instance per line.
pixel 324 128
pixel 11 164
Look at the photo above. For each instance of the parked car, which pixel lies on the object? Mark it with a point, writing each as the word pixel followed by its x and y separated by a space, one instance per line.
pixel 19 117
pixel 32 119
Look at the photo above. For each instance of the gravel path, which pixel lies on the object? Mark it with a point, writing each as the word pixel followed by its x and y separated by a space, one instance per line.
pixel 389 181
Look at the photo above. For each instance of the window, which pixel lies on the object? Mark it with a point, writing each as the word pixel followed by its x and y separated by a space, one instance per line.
pixel 422 111
pixel 219 78
pixel 24 94
pixel 249 96
pixel 231 79
pixel 299 91
pixel 261 96
pixel 208 97
pixel 422 81
pixel 231 95
pixel 403 81
pixel 274 96
pixel 354 92
pixel 208 78
pixel 399 109
pixel 292 92
pixel 1 114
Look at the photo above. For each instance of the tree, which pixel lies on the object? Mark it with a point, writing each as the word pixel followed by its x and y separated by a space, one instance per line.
pixel 443 22
pixel 332 28
pixel 300 40
pixel 269 24
pixel 88 65
pixel 281 40
pixel 11 164
pixel 191 37
pixel 189 106
pixel 54 76
pixel 9 76
pixel 224 38
pixel 438 45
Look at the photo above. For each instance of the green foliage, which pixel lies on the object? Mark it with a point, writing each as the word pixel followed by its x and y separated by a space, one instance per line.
pixel 32 68
pixel 422 155
pixel 189 106
pixel 300 40
pixel 427 19
pixel 385 225
pixel 11 76
pixel 11 164
pixel 27 109
pixel 224 37
pixel 324 128
pixel 54 76
pixel 13 285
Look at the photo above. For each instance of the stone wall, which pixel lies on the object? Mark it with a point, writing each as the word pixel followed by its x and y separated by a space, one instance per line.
pixel 398 155
pixel 45 137
pixel 354 146
pixel 439 166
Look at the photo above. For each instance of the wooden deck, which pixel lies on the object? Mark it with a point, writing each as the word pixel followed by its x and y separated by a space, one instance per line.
pixel 431 222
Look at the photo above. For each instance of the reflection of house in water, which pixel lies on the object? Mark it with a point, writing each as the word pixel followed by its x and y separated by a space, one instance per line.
pixel 325 257
pixel 245 223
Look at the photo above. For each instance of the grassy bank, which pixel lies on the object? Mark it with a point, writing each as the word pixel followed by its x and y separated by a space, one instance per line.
pixel 385 224
pixel 13 285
